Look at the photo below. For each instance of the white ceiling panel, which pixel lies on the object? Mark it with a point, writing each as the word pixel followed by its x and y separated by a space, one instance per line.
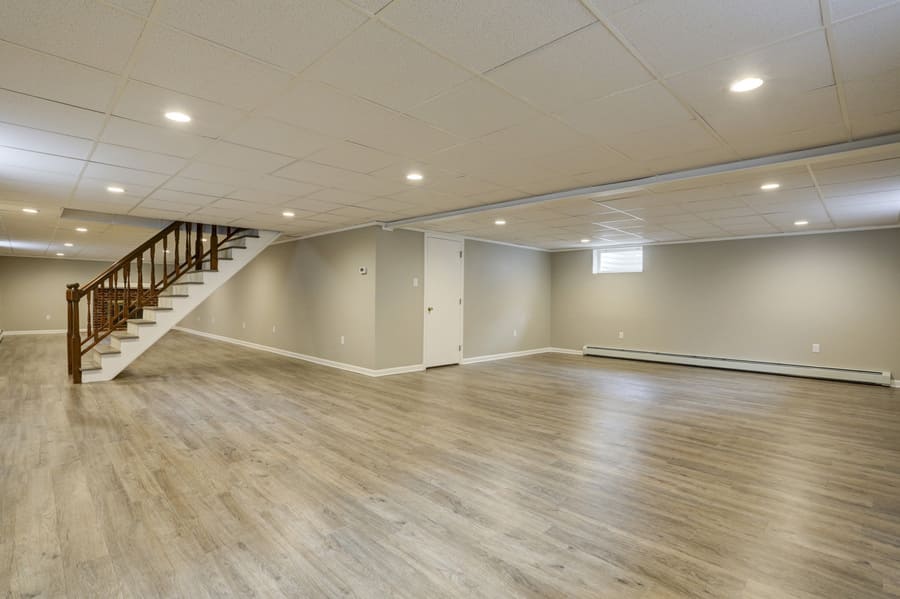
pixel 219 175
pixel 54 78
pixel 10 157
pixel 189 185
pixel 874 104
pixel 116 175
pixel 162 140
pixel 285 33
pixel 137 159
pixel 388 68
pixel 488 33
pixel 278 137
pixel 140 7
pixel 240 157
pixel 95 190
pixel 354 157
pixel 474 109
pixel 183 198
pixel 587 64
pixel 868 45
pixel 680 36
pixel 619 115
pixel 191 66
pixel 149 103
pixel 677 138
pixel 25 138
pixel 20 109
pixel 84 31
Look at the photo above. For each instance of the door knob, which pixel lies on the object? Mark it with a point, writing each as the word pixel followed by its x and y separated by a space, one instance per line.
pixel 430 309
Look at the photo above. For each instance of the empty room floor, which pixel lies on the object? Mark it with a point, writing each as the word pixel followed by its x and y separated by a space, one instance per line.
pixel 209 470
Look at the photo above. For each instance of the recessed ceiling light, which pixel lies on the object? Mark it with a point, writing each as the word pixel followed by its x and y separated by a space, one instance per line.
pixel 499 221
pixel 115 189
pixel 770 186
pixel 288 214
pixel 585 241
pixel 801 223
pixel 60 254
pixel 81 230
pixel 68 245
pixel 178 117
pixel 746 85
pixel 414 177
pixel 29 211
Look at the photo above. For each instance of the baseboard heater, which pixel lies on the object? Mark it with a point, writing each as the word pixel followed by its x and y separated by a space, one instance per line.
pixel 817 372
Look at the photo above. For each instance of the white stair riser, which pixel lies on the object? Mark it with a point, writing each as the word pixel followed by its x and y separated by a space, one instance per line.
pixel 164 320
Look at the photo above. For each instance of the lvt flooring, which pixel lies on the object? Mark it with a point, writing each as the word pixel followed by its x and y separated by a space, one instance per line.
pixel 208 470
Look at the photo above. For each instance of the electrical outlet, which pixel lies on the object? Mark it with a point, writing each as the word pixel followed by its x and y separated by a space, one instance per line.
pixel 415 281
pixel 816 348
pixel 515 332
pixel 212 320
pixel 621 334
pixel 47 317
pixel 243 325
pixel 273 328
pixel 342 340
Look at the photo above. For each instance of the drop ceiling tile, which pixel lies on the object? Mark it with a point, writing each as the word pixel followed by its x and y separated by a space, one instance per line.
pixel 873 104
pixel 278 137
pixel 353 157
pixel 162 140
pixel 641 109
pixel 235 205
pixel 259 196
pixel 328 176
pixel 19 109
pixel 218 174
pixel 355 213
pixel 158 213
pixel 285 33
pixel 310 205
pixel 321 108
pixel 862 172
pixel 35 140
pixel 115 175
pixel 10 157
pixel 676 139
pixel 95 190
pixel 867 45
pixel 211 188
pixel 388 68
pixel 149 103
pixel 285 186
pixel 137 159
pixel 141 7
pixel 679 36
pixel 486 34
pixel 373 6
pixel 55 79
pixel 474 109
pixel 587 64
pixel 80 30
pixel 181 200
pixel 191 66
pixel 388 204
pixel 251 160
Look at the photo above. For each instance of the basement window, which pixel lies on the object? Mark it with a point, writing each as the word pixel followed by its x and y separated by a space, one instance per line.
pixel 618 260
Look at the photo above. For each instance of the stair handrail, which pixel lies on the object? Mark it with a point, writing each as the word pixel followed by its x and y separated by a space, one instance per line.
pixel 128 288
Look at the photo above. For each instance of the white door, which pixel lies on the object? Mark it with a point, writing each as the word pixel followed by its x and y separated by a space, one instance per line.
pixel 443 301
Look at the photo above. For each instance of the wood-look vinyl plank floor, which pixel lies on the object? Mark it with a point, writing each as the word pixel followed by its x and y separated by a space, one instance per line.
pixel 209 470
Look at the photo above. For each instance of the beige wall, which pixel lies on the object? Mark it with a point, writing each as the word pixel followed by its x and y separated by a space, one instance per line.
pixel 506 289
pixel 33 290
pixel 765 299
pixel 399 305
pixel 310 291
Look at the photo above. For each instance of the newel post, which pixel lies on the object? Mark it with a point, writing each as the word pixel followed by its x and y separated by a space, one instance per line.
pixel 73 331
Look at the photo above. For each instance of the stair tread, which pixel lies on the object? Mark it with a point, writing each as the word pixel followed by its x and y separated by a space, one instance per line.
pixel 106 349
pixel 87 366
pixel 173 295
pixel 140 321
pixel 123 335
pixel 158 308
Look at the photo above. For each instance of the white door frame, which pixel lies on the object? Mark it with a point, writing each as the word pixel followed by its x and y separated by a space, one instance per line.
pixel 462 291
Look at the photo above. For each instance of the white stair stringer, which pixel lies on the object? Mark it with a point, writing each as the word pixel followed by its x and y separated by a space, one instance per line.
pixel 174 304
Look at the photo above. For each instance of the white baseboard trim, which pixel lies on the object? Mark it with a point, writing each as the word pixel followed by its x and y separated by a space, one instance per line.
pixel 36 332
pixel 315 360
pixel 563 350
pixel 519 354
pixel 896 384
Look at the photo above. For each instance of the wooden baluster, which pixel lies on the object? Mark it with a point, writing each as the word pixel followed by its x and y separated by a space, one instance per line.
pixel 214 248
pixel 153 270
pixel 187 246
pixel 177 235
pixel 90 329
pixel 140 278
pixel 74 332
pixel 198 248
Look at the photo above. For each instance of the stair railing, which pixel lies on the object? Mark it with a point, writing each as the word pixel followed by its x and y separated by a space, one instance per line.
pixel 136 280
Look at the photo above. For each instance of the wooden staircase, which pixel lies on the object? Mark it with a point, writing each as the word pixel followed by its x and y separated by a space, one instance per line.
pixel 121 313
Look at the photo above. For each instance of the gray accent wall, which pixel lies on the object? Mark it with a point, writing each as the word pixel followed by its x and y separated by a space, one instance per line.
pixel 506 289
pixel 760 299
pixel 400 258
pixel 33 290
